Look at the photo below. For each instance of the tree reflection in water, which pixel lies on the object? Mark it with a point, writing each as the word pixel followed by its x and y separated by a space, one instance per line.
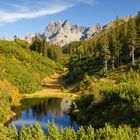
pixel 42 110
pixel 54 106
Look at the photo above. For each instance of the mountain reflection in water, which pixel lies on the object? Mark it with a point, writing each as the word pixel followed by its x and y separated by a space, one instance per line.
pixel 44 110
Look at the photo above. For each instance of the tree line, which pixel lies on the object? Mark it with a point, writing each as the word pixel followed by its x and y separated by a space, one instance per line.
pixel 35 132
pixel 53 51
pixel 114 46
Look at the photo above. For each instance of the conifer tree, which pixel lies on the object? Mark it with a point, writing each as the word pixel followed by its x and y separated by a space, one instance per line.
pixel 112 46
pixel 138 30
pixel 131 38
pixel 36 45
pixel 90 133
pixel 123 43
pixel 82 134
pixel 53 132
pixel 3 132
pixel 105 50
pixel 39 134
pixel 117 41
pixel 13 133
pixel 44 47
pixel 23 135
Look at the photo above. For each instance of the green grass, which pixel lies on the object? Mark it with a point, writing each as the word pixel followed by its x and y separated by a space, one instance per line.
pixel 45 94
pixel 114 99
pixel 23 68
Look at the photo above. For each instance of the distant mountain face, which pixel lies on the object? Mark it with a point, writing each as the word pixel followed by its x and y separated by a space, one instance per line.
pixel 63 33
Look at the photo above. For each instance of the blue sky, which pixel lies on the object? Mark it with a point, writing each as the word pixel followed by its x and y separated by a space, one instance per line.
pixel 20 17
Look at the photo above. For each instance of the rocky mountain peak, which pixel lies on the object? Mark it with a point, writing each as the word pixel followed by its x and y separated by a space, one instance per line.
pixel 65 23
pixel 62 33
pixel 51 23
pixel 59 22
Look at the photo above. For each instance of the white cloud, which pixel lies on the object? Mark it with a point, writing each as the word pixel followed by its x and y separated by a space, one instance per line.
pixel 15 16
pixel 35 8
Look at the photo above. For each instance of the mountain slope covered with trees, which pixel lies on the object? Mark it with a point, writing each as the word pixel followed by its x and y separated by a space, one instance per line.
pixel 104 70
pixel 110 49
pixel 21 71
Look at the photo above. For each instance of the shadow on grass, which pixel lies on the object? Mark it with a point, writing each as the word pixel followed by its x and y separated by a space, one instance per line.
pixel 113 109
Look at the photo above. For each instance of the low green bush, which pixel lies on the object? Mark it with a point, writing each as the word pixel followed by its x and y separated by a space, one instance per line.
pixel 24 68
pixel 35 132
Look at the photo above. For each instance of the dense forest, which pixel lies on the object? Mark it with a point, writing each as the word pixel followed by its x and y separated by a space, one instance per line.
pixel 104 71
pixel 113 47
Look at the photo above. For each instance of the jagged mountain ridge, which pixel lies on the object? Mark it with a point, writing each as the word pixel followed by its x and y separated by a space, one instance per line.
pixel 63 33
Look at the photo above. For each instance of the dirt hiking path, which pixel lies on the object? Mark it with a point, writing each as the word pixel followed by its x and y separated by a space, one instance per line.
pixel 52 88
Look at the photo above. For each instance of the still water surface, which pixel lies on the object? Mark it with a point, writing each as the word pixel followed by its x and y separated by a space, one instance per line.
pixel 44 110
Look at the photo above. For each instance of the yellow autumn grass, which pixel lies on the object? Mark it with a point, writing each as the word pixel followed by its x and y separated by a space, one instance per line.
pixel 48 94
pixel 53 89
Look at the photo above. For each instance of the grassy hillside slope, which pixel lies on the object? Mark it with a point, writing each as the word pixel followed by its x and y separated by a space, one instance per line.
pixel 23 68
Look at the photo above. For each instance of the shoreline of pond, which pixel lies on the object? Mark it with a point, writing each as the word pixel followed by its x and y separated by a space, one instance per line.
pixel 47 109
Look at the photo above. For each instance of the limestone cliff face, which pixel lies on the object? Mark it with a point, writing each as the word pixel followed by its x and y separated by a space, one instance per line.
pixel 63 33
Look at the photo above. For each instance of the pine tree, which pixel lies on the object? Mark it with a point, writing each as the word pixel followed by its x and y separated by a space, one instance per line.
pixel 117 41
pixel 36 45
pixel 13 133
pixel 44 47
pixel 82 134
pixel 138 31
pixel 23 135
pixel 105 50
pixel 131 37
pixel 68 134
pixel 90 133
pixel 53 132
pixel 112 46
pixel 123 42
pixel 3 132
pixel 39 134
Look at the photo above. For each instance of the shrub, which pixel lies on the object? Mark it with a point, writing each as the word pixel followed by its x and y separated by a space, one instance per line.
pixel 35 132
pixel 22 67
